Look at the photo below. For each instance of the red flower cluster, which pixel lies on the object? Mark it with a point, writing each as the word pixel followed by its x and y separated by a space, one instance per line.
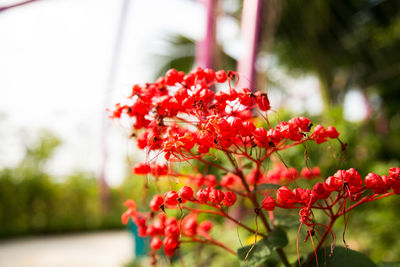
pixel 209 195
pixel 347 184
pixel 221 120
pixel 183 117
pixel 169 229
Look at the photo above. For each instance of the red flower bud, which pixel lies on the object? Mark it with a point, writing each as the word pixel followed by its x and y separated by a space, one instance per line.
pixel 162 217
pixel 229 199
pixel 353 178
pixel 268 203
pixel 186 193
pixel 306 173
pixel 170 243
pixel 244 97
pixel 172 230
pixel 395 184
pixel 171 198
pixel 209 75
pixel 374 181
pixel 394 173
pixel 173 76
pixel 202 195
pixel 247 128
pixel 206 226
pixel 319 134
pixel 220 76
pixel 332 132
pixel 141 168
pixel 215 196
pixel 210 180
pixel 320 191
pixel 394 179
pixel 155 243
pixel 151 230
pixel 301 123
pixel 229 180
pixel 262 101
pixel 333 183
pixel 159 169
pixel 274 135
pixel 142 231
pixel 388 183
pixel 285 196
pixel 297 193
pixel 156 202
pixel 260 137
pixel 190 226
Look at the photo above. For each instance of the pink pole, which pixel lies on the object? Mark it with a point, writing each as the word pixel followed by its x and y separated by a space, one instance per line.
pixel 250 27
pixel 3 8
pixel 205 47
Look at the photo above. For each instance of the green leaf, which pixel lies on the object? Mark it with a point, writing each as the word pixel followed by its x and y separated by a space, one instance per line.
pixel 341 257
pixel 248 165
pixel 286 220
pixel 261 253
pixel 277 238
pixel 257 256
pixel 263 187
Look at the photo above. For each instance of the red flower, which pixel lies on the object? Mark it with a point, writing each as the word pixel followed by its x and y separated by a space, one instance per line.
pixel 268 203
pixel 141 168
pixel 262 101
pixel 215 196
pixel 171 198
pixel 220 76
pixel 156 202
pixel 374 181
pixel 156 243
pixel 285 196
pixel 229 199
pixel 186 193
pixel 202 195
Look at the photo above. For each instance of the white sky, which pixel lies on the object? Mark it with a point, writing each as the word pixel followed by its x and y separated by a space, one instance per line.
pixel 54 60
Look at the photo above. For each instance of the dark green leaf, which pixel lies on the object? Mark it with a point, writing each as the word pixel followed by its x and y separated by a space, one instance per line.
pixel 277 238
pixel 341 257
pixel 286 220
pixel 261 253
pixel 248 165
pixel 257 256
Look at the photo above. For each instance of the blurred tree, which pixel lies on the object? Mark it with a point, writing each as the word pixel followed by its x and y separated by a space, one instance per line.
pixel 38 153
pixel 345 44
pixel 180 54
pixel 33 201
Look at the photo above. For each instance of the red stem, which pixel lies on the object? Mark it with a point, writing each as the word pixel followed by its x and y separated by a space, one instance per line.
pixel 321 241
pixel 224 214
pixel 210 242
pixel 253 199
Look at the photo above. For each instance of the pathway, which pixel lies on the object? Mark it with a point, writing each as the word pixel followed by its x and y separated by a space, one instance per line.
pixel 111 248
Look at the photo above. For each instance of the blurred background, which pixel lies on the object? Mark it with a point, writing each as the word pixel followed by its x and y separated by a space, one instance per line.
pixel 65 167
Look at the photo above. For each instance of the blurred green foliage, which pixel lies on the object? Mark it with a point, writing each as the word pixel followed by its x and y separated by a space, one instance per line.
pixel 33 201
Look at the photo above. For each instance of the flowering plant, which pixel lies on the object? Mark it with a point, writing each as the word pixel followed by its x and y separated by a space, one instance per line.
pixel 190 117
